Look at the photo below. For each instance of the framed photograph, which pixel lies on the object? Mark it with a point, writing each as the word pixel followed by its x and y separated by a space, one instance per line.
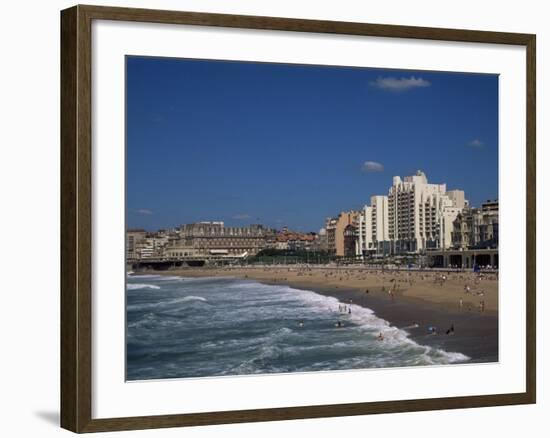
pixel 271 218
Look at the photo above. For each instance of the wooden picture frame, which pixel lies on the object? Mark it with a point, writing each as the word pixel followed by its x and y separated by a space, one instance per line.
pixel 76 218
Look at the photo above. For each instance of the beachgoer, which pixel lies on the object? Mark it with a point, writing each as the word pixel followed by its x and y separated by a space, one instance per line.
pixel 451 330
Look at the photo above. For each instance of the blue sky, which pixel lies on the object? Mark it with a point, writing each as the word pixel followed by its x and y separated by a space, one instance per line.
pixel 290 145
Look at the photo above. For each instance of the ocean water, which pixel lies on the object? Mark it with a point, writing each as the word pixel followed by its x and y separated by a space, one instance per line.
pixel 194 327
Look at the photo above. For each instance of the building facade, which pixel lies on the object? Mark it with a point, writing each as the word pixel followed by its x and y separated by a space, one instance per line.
pixel 144 245
pixel 207 238
pixel 420 214
pixel 179 251
pixel 477 228
pixel 134 239
pixel 295 241
pixel 335 230
pixel 350 240
pixel 373 228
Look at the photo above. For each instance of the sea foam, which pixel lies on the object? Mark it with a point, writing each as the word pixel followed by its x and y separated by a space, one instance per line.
pixel 227 326
pixel 136 286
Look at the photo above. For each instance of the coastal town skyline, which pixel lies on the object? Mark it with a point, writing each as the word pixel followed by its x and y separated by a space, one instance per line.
pixel 299 119
pixel 417 218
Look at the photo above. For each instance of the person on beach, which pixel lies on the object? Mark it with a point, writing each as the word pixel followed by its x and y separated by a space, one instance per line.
pixel 461 303
pixel 450 330
pixel 349 310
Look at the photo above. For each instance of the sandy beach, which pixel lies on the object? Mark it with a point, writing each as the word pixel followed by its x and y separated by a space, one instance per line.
pixel 444 288
pixel 415 300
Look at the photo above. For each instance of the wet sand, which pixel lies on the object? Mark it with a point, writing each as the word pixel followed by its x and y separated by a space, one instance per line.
pixel 475 333
pixel 403 298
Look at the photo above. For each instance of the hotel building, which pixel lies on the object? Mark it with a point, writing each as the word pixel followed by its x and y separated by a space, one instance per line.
pixel 211 238
pixel 421 215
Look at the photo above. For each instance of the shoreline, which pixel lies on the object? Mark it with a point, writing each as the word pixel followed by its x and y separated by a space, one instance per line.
pixel 475 331
pixel 475 335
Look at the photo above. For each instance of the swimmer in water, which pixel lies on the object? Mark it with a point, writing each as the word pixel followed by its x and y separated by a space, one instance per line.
pixel 300 323
pixel 380 336
pixel 338 324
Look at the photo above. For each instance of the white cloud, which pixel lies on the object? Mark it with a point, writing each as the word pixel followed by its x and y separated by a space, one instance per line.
pixel 372 166
pixel 476 143
pixel 400 84
pixel 241 216
pixel 144 211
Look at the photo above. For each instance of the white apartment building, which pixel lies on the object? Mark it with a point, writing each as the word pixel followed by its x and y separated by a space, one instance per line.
pixel 364 230
pixel 373 228
pixel 421 215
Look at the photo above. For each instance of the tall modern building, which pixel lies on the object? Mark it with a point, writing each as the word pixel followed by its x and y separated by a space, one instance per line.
pixel 373 230
pixel 420 214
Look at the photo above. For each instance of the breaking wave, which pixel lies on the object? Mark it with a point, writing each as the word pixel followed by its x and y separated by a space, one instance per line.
pixel 137 286
pixel 228 326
